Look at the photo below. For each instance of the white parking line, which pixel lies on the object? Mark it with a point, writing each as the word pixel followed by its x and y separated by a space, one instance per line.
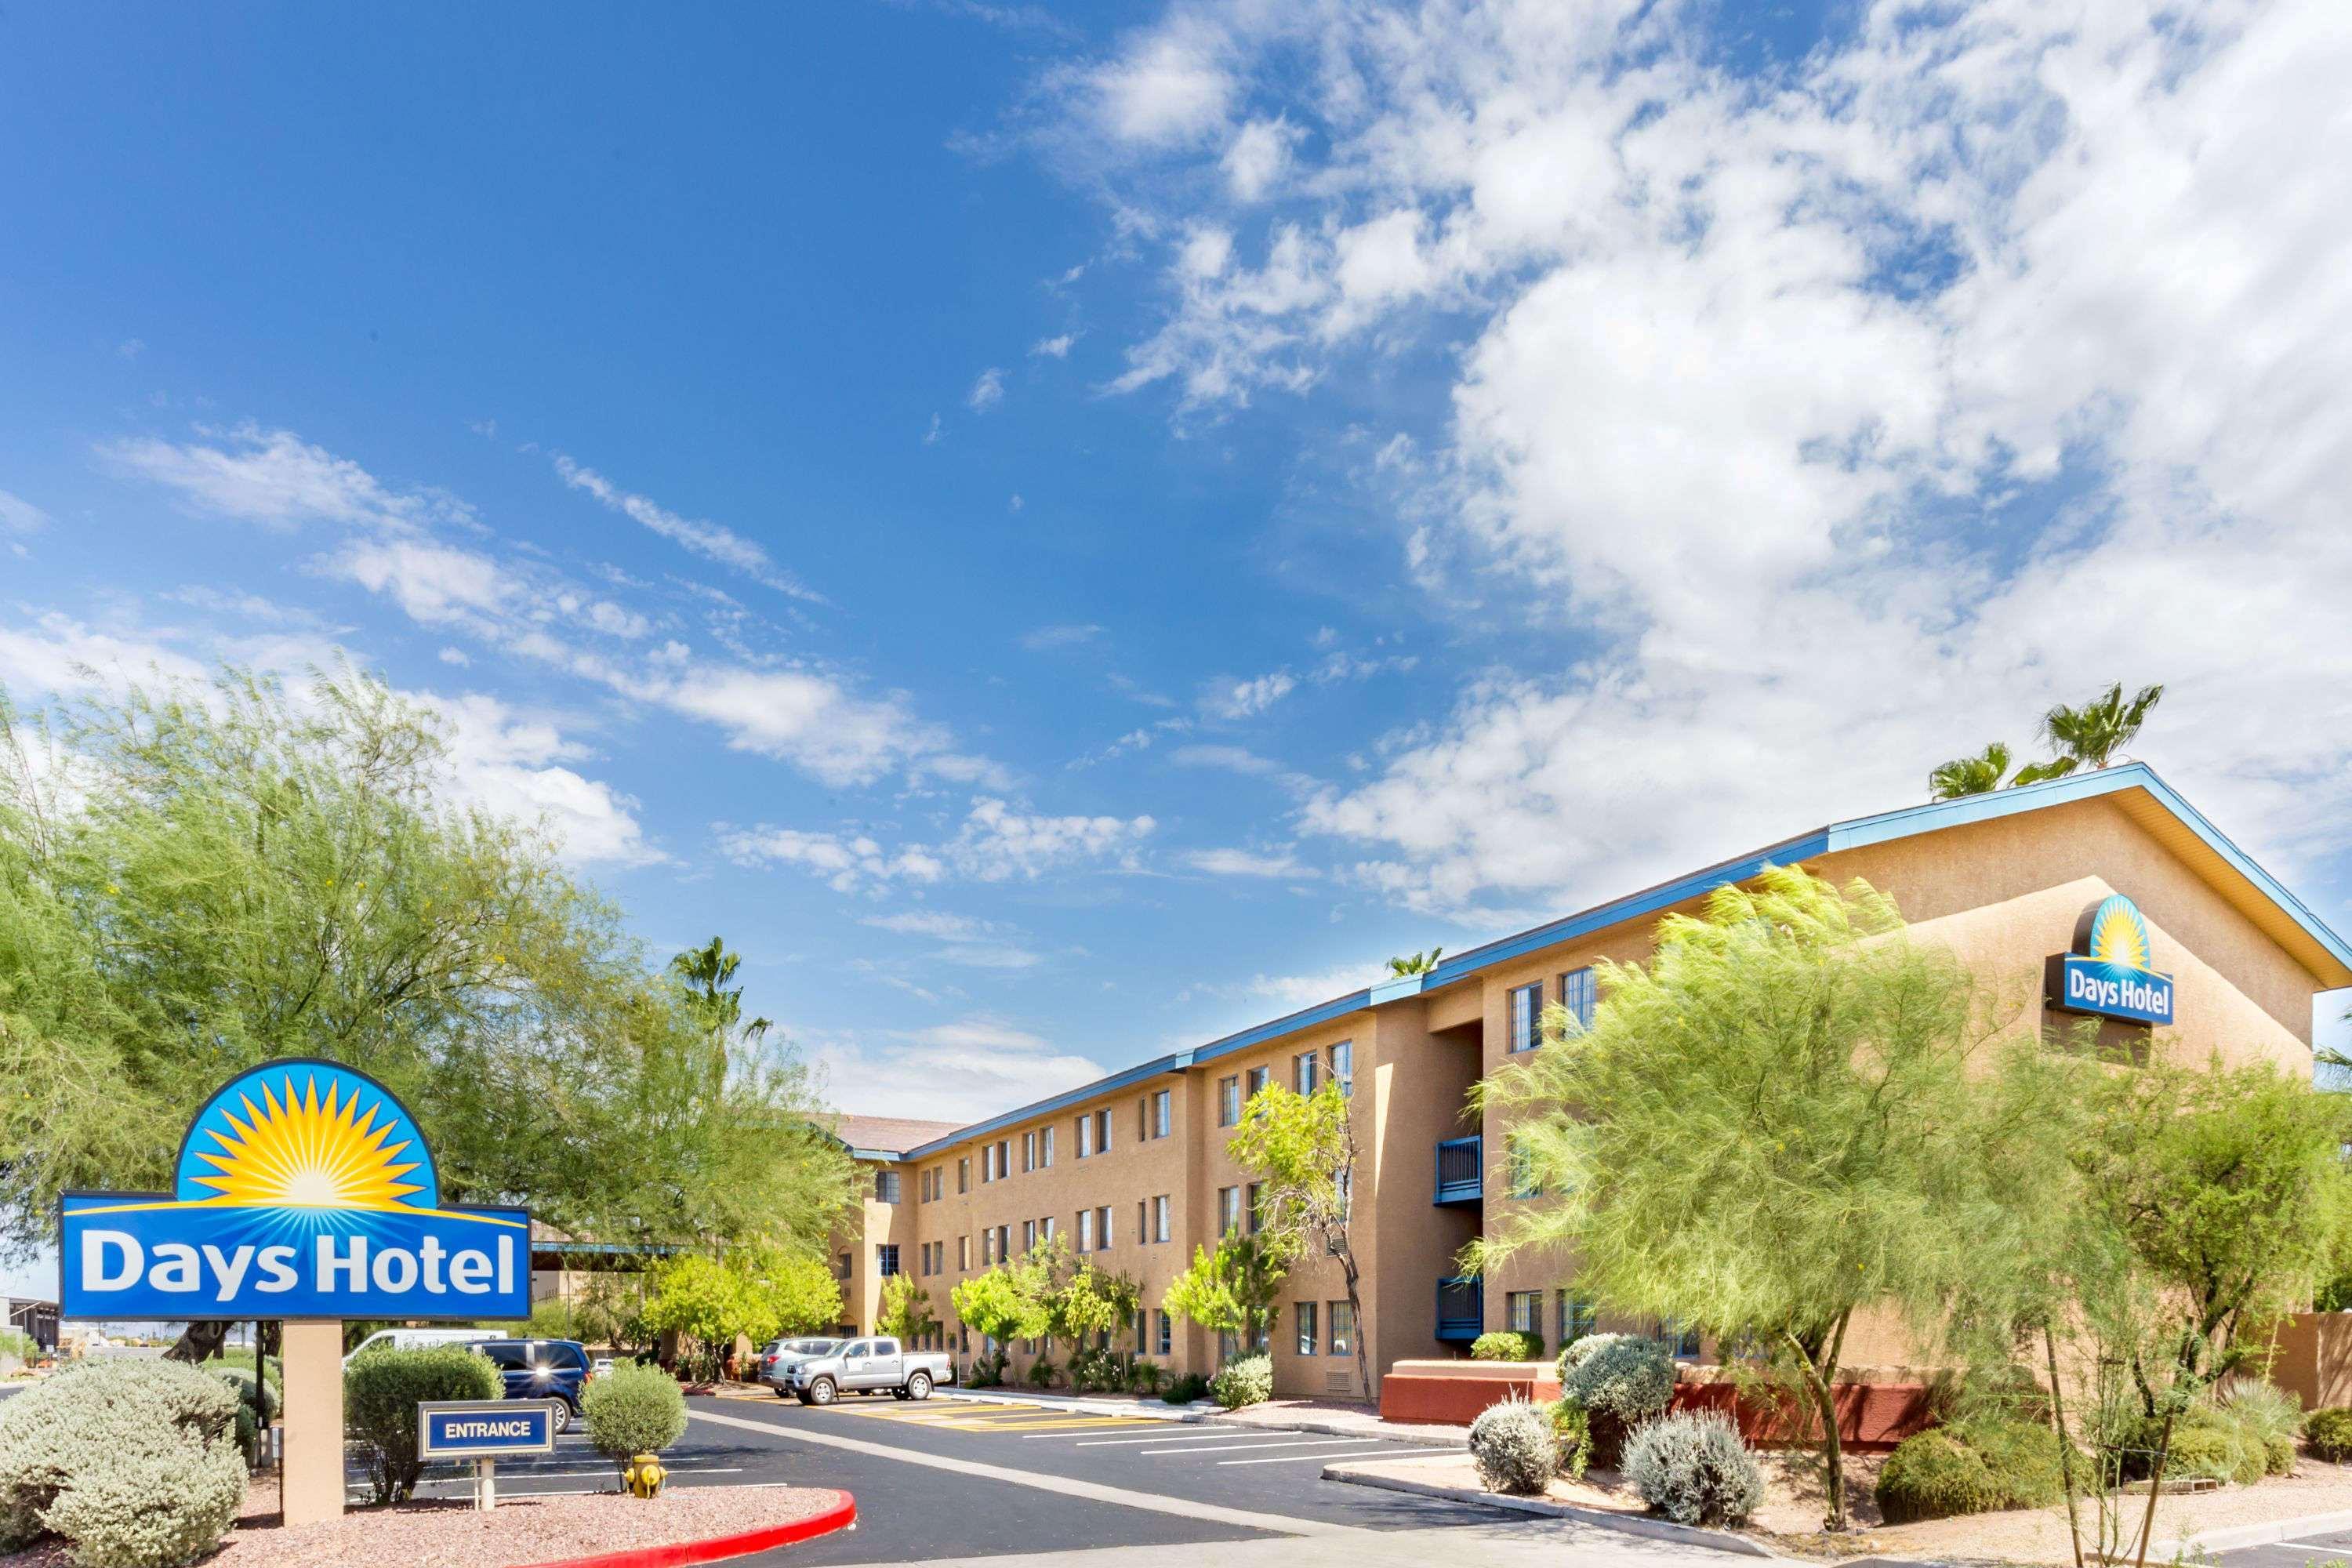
pixel 1131 1442
pixel 1350 1454
pixel 1236 1447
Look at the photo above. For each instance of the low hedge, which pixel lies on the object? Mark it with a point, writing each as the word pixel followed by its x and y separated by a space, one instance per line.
pixel 2328 1433
pixel 1244 1380
pixel 633 1410
pixel 1189 1389
pixel 2021 1457
pixel 382 1389
pixel 1933 1475
pixel 1508 1345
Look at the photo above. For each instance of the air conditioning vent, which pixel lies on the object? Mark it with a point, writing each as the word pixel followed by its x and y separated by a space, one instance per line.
pixel 1338 1383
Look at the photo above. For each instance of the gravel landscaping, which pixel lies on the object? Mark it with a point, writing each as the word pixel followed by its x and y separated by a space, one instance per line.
pixel 519 1531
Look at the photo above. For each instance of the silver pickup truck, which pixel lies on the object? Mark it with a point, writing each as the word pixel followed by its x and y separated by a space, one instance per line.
pixel 871 1366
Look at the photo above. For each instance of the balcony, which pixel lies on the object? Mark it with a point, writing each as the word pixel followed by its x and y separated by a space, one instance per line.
pixel 1460 1171
pixel 1461 1308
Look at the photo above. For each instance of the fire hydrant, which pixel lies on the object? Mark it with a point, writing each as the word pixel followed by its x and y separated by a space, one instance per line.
pixel 645 1475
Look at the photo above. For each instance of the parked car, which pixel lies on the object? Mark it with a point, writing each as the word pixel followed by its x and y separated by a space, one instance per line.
pixel 868 1366
pixel 777 1357
pixel 417 1339
pixel 600 1366
pixel 552 1369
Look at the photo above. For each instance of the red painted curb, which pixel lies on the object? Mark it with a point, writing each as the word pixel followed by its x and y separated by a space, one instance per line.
pixel 678 1553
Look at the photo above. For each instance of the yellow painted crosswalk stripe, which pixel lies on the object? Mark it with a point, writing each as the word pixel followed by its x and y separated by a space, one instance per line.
pixel 998 1420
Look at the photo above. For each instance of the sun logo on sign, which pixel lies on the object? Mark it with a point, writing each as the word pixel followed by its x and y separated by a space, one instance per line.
pixel 299 1151
pixel 2120 936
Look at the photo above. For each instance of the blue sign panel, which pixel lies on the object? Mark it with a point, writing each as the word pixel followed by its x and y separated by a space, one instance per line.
pixel 484 1429
pixel 2107 974
pixel 303 1189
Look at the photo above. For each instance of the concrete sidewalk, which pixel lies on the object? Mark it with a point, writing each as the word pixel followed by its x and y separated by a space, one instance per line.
pixel 1321 1417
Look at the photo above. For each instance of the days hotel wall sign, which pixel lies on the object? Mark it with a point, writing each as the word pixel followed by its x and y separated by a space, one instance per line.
pixel 2107 973
pixel 303 1189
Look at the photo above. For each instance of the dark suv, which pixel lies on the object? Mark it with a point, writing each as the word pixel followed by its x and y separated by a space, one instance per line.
pixel 554 1370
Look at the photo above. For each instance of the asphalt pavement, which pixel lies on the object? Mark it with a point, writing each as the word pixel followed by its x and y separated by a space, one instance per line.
pixel 2329 1551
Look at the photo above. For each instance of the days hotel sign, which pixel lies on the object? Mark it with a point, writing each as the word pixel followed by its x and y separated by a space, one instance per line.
pixel 2107 973
pixel 303 1189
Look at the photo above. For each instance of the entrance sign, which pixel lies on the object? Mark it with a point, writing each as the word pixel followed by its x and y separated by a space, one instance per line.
pixel 484 1429
pixel 303 1189
pixel 2107 974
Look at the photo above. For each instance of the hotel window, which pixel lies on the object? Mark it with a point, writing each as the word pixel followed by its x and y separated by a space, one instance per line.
pixel 1046 1228
pixel 1161 1229
pixel 1167 1337
pixel 1525 1183
pixel 1305 1071
pixel 1003 1242
pixel 963 1175
pixel 987 1164
pixel 1142 1331
pixel 1254 1080
pixel 1102 1222
pixel 987 1248
pixel 1578 993
pixel 1343 1328
pixel 1229 1210
pixel 1256 1207
pixel 1102 1131
pixel 1156 1115
pixel 1680 1340
pixel 1229 1101
pixel 1309 1337
pixel 1085 1136
pixel 963 1255
pixel 1527 1017
pixel 1086 1230
pixel 886 1186
pixel 1005 1157
pixel 1045 1148
pixel 1028 1153
pixel 1578 1318
pixel 1523 1311
pixel 1343 1065
pixel 885 1259
pixel 842 1271
pixel 1028 1234
pixel 1142 1220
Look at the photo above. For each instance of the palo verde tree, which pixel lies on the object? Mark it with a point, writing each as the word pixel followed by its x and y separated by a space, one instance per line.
pixel 195 879
pixel 1302 1147
pixel 1002 1305
pixel 1232 1290
pixel 905 1315
pixel 1764 1131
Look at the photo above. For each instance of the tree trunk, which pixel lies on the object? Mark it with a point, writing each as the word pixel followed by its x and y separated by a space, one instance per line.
pixel 2065 1448
pixel 1821 1380
pixel 1355 1325
pixel 2155 1490
pixel 200 1340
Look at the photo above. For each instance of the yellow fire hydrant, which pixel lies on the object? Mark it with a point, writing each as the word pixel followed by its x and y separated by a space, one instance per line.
pixel 645 1475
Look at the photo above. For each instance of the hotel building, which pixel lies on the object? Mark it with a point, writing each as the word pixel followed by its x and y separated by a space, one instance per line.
pixel 1133 1169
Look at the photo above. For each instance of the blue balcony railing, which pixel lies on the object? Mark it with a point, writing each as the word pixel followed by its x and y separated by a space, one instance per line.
pixel 1460 1170
pixel 1460 1309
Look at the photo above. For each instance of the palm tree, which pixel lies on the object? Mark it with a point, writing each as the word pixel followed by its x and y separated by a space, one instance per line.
pixel 705 971
pixel 1980 774
pixel 2093 735
pixel 1419 963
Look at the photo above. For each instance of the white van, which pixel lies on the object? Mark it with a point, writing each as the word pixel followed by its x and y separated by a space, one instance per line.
pixel 417 1339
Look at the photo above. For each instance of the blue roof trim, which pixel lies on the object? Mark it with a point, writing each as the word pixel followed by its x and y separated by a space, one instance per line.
pixel 1851 833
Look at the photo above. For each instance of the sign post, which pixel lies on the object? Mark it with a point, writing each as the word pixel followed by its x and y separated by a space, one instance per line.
pixel 483 1430
pixel 304 1193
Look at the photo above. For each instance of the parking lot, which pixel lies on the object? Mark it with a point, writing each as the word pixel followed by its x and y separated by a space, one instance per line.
pixel 2330 1551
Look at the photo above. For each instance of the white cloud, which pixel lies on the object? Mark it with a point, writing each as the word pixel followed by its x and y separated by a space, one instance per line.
pixel 1227 698
pixel 456 655
pixel 1257 157
pixel 931 435
pixel 58 654
pixel 1834 420
pixel 804 718
pixel 846 862
pixel 274 478
pixel 1286 993
pixel 987 391
pixel 512 766
pixel 709 539
pixel 1053 347
pixel 970 942
pixel 963 1070
pixel 1232 759
pixel 995 843
pixel 19 515
pixel 1069 634
pixel 1279 864
pixel 1166 86
pixel 433 584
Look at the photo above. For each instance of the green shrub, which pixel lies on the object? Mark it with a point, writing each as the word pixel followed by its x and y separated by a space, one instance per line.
pixel 1244 1380
pixel 633 1410
pixel 1189 1389
pixel 382 1390
pixel 133 1462
pixel 1513 1447
pixel 1693 1467
pixel 1144 1377
pixel 1508 1345
pixel 2021 1456
pixel 2210 1452
pixel 19 1346
pixel 1932 1475
pixel 1624 1378
pixel 2269 1419
pixel 1571 1431
pixel 2329 1432
pixel 1041 1373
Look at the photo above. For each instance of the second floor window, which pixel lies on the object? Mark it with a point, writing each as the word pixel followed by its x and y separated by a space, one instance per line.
pixel 1577 995
pixel 1229 1101
pixel 885 1259
pixel 1343 1065
pixel 1526 1023
pixel 1086 1230
pixel 1229 1210
pixel 963 1255
pixel 1156 1113
pixel 1102 1227
pixel 1028 1151
pixel 1028 1234
pixel 1254 1080
pixel 963 1175
pixel 1102 1131
pixel 1305 1071
pixel 1160 1226
pixel 886 1186
pixel 1045 1148
pixel 1256 1207
pixel 1085 1136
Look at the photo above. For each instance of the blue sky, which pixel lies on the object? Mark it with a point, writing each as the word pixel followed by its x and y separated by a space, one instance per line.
pixel 1062 534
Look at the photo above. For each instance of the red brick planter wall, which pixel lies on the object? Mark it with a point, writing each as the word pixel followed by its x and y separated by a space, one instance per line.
pixel 1871 1416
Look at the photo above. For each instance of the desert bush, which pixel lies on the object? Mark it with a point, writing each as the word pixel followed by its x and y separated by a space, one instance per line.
pixel 2268 1417
pixel 2207 1452
pixel 2329 1432
pixel 1189 1389
pixel 2021 1456
pixel 1042 1373
pixel 1932 1475
pixel 1513 1447
pixel 1244 1380
pixel 633 1410
pixel 1508 1345
pixel 1693 1467
pixel 1571 1431
pixel 1144 1377
pixel 1621 1376
pixel 135 1463
pixel 382 1390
